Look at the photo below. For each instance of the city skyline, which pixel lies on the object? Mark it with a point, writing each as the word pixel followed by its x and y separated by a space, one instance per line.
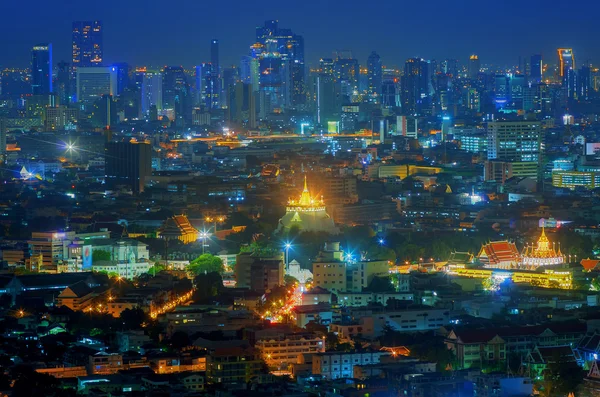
pixel 186 41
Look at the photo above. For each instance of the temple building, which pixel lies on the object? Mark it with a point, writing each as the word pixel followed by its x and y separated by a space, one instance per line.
pixel 179 228
pixel 541 254
pixel 499 255
pixel 308 214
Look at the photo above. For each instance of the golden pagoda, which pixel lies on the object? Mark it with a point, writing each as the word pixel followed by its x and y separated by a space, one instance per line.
pixel 308 214
pixel 541 254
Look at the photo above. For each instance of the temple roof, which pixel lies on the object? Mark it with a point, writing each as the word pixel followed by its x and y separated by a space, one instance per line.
pixel 499 251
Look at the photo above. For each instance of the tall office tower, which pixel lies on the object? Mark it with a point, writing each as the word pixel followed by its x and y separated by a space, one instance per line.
pixel 104 114
pixel 206 85
pixel 390 96
pixel 450 66
pixel 2 140
pixel 128 163
pixel 152 87
pixel 242 105
pixel 176 91
pixel 515 148
pixel 282 50
pixel 93 82
pixel 415 87
pixel 584 83
pixel 536 68
pixel 249 71
pixel 566 62
pixel 64 83
pixel 216 72
pixel 41 69
pixel 474 67
pixel 326 98
pixel 122 70
pixel 87 44
pixel 374 73
pixel 346 72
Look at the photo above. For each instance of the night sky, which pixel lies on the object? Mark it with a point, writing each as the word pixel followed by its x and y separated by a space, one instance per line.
pixel 177 32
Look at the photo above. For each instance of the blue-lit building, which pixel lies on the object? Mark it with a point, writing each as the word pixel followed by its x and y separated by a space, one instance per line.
pixel 87 44
pixel 41 69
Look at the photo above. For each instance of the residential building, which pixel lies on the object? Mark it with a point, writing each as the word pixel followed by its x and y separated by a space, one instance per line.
pixel 284 349
pixel 334 365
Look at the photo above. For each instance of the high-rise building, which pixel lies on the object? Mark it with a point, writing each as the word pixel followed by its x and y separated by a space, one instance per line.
pixel 374 71
pixel 2 140
pixel 242 104
pixel 152 87
pixel 474 67
pixel 41 69
pixel 326 97
pixel 536 68
pixel 87 43
pixel 64 83
pixel 207 86
pixel 514 146
pixel 176 95
pixel 280 54
pixel 415 87
pixel 216 72
pixel 128 163
pixel 584 83
pixel 122 70
pixel 93 82
pixel 566 61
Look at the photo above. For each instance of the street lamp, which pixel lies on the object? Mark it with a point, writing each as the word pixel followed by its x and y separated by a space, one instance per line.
pixel 381 241
pixel 287 246
pixel 203 236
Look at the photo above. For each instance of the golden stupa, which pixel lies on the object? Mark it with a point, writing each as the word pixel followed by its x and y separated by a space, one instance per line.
pixel 542 254
pixel 307 213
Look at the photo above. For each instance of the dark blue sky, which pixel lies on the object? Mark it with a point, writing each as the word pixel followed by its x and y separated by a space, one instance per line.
pixel 178 31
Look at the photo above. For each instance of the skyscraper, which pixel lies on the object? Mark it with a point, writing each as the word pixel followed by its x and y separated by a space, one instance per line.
pixel 216 74
pixel 64 83
pixel 87 43
pixel 374 75
pixel 415 87
pixel 152 87
pixel 128 163
pixel 474 67
pixel 566 61
pixel 122 70
pixel 41 69
pixel 536 68
pixel 514 149
pixel 94 82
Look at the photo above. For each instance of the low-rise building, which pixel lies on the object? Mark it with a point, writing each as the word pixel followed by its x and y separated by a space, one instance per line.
pixel 334 365
pixel 283 350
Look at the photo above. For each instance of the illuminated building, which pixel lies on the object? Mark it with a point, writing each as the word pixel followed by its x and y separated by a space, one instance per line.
pixel 566 61
pixel 281 350
pixel 537 68
pixel 329 268
pixel 94 82
pixel 216 72
pixel 180 228
pixel 549 278
pixel 128 163
pixel 541 254
pixel 374 76
pixel 518 143
pixel 41 69
pixel 307 213
pixel 87 43
pixel 499 255
pixel 152 92
pixel 474 67
pixel 573 179
pixel 415 87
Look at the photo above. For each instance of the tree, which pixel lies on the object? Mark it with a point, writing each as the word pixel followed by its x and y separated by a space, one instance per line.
pixel 133 318
pixel 28 382
pixel 331 341
pixel 206 263
pixel 157 268
pixel 208 286
pixel 180 339
pixel 290 281
pixel 100 255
